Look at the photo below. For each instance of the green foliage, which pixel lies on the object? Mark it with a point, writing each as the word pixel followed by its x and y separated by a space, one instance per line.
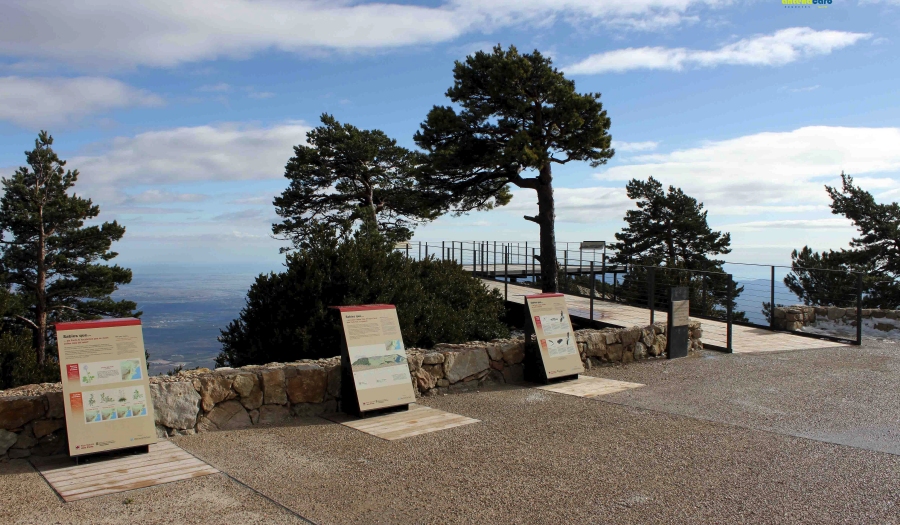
pixel 669 229
pixel 18 362
pixel 287 316
pixel 516 113
pixel 346 177
pixel 53 261
pixel 822 279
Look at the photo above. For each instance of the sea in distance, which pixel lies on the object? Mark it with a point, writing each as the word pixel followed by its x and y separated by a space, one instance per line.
pixel 184 309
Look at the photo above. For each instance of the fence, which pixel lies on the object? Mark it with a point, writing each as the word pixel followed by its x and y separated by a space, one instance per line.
pixel 742 295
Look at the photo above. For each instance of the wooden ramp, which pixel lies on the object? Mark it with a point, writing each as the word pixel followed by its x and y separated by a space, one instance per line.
pixel 588 386
pixel 398 425
pixel 165 463
pixel 745 339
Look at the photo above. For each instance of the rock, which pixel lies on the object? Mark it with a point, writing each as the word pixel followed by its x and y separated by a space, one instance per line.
pixel 464 386
pixel 309 385
pixel 877 314
pixel 245 383
pixel 660 344
pixel 214 390
pixel 176 405
pixel 18 453
pixel 43 427
pixel 273 387
pixel 334 381
pixel 271 414
pixel 442 383
pixel 433 358
pixel 495 351
pixel 611 338
pixel 55 407
pixel 630 336
pixel 779 313
pixel 254 416
pixel 51 445
pixel 514 374
pixel 229 415
pixel 793 326
pixel 436 371
pixel 254 400
pixel 627 356
pixel 697 333
pixel 459 365
pixel 161 431
pixel 640 351
pixel 647 336
pixel 497 365
pixel 884 327
pixel 16 411
pixel 835 313
pixel 415 361
pixel 514 353
pixel 423 380
pixel 614 352
pixel 7 440
pixel 793 316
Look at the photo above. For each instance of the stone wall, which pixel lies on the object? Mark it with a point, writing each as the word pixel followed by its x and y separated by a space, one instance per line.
pixel 794 318
pixel 32 417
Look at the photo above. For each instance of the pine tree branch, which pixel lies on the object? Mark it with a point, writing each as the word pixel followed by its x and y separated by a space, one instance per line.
pixel 29 321
pixel 532 219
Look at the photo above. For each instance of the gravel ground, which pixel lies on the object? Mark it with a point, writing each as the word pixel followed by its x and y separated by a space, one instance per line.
pixel 25 498
pixel 849 395
pixel 541 457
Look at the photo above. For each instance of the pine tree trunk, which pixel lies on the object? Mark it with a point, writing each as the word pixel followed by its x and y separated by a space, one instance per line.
pixel 547 218
pixel 40 307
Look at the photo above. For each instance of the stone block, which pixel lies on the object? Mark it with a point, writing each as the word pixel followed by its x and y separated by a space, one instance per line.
pixel 55 407
pixel 436 371
pixel 43 427
pixel 514 352
pixel 229 415
pixel 779 313
pixel 308 385
pixel 308 409
pixel 495 351
pixel 273 387
pixel 648 335
pixel 175 405
pixel 459 365
pixel 254 400
pixel 334 381
pixel 7 440
pixel 19 453
pixel 25 441
pixel 835 313
pixel 272 414
pixel 876 314
pixel 254 416
pixel 884 327
pixel 423 380
pixel 415 361
pixel 614 352
pixel 16 411
pixel 245 383
pixel 213 390
pixel 443 383
pixel 640 351
pixel 433 358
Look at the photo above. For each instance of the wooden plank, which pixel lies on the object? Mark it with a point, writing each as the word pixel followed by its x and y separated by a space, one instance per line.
pixel 588 386
pixel 165 463
pixel 418 420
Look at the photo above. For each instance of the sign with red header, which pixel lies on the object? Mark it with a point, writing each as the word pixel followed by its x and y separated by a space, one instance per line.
pixel 106 390
pixel 556 344
pixel 373 359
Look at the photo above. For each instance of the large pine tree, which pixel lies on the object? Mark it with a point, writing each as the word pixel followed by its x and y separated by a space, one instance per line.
pixel 53 262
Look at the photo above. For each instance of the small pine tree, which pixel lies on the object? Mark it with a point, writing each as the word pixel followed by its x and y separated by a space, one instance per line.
pixel 51 259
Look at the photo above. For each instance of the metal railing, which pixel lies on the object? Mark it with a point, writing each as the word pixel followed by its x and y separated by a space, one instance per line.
pixel 743 294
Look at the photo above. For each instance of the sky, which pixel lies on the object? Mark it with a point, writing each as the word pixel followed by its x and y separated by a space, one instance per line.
pixel 181 115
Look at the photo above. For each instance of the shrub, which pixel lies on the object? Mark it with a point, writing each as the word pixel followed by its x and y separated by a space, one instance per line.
pixel 18 362
pixel 286 316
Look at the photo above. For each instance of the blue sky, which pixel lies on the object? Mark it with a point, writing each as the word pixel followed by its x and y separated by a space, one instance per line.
pixel 181 115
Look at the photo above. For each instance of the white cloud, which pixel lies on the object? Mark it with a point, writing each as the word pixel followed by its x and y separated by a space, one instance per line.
pixel 792 224
pixel 190 154
pixel 221 87
pixel 780 171
pixel 780 48
pixel 804 89
pixel 579 205
pixel 162 196
pixel 50 101
pixel 112 33
pixel 626 147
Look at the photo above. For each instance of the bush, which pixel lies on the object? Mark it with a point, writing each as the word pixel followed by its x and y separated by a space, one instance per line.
pixel 18 362
pixel 287 317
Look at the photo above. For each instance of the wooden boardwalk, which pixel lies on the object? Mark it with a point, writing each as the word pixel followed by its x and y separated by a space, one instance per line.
pixel 745 339
pixel 528 270
pixel 398 425
pixel 165 463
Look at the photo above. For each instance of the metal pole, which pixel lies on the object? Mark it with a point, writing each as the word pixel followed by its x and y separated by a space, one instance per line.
pixel 593 283
pixel 772 303
pixel 506 272
pixel 859 292
pixel 474 259
pixel 426 250
pixel 566 268
pixel 443 251
pixel 615 286
pixel 603 277
pixel 495 258
pixel 728 310
pixel 651 289
pixel 533 274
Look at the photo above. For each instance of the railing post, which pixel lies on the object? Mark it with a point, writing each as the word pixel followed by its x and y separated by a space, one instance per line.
pixel 566 268
pixel 859 292
pixel 651 289
pixel 474 260
pixel 591 292
pixel 615 286
pixel 426 250
pixel 506 272
pixel 728 313
pixel 772 303
pixel 533 274
pixel 495 259
pixel 443 250
pixel 603 278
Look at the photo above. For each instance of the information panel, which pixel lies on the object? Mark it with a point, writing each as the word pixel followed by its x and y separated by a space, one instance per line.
pixel 374 358
pixel 555 337
pixel 678 332
pixel 105 385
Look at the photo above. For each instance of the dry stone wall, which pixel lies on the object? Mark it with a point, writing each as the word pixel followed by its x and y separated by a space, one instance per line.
pixel 794 318
pixel 32 417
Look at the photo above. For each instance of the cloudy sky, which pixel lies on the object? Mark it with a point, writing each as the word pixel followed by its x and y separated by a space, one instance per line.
pixel 181 115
